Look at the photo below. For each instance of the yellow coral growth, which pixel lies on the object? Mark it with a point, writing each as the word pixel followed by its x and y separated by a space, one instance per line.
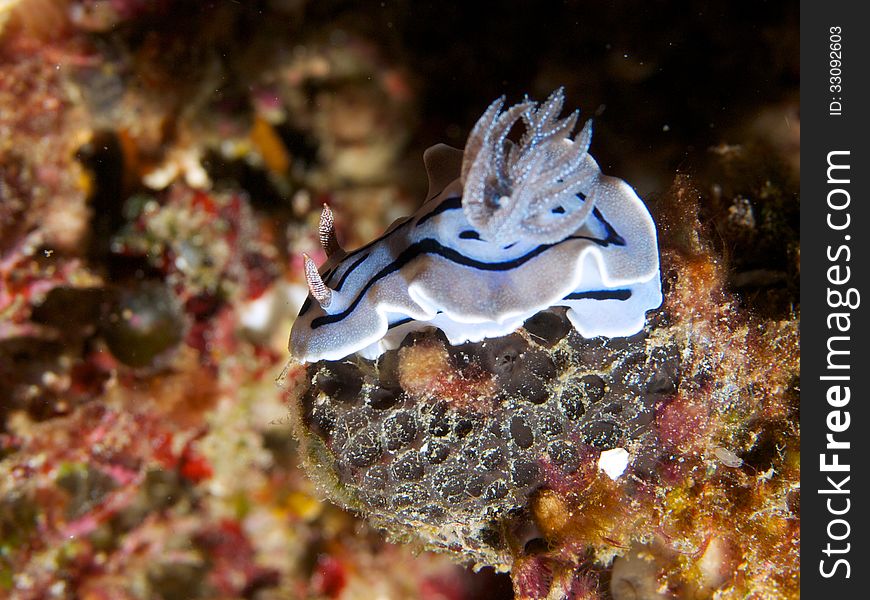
pixel 272 150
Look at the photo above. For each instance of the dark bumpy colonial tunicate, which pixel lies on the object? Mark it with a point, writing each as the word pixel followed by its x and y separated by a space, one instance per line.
pixel 458 461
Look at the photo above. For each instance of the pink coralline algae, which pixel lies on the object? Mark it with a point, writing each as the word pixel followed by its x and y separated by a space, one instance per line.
pixel 163 168
pixel 502 452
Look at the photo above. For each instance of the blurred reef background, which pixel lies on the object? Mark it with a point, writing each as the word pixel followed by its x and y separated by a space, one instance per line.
pixel 163 165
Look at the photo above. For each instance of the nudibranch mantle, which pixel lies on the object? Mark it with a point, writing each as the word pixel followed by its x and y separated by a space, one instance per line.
pixel 509 229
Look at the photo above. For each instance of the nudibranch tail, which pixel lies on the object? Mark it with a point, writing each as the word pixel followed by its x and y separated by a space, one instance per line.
pixel 326 232
pixel 530 190
pixel 319 291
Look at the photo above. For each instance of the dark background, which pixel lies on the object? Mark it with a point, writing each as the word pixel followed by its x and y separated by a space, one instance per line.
pixel 698 69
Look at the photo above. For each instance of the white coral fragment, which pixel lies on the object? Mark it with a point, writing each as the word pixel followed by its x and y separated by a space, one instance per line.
pixel 614 462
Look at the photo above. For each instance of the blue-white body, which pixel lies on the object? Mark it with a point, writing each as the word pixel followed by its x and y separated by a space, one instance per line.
pixel 436 269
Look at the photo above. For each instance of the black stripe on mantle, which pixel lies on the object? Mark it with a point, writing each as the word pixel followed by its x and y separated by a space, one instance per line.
pixel 448 204
pixel 432 246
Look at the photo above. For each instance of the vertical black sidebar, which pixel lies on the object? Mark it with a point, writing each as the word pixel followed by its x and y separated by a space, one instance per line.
pixel 835 299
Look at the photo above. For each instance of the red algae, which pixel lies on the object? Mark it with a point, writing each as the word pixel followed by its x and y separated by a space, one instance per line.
pixel 716 388
pixel 142 445
pixel 162 167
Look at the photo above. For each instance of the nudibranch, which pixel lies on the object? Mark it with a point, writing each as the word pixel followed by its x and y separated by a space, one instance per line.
pixel 508 230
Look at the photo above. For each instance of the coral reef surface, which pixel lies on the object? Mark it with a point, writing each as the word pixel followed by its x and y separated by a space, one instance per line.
pixel 163 166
